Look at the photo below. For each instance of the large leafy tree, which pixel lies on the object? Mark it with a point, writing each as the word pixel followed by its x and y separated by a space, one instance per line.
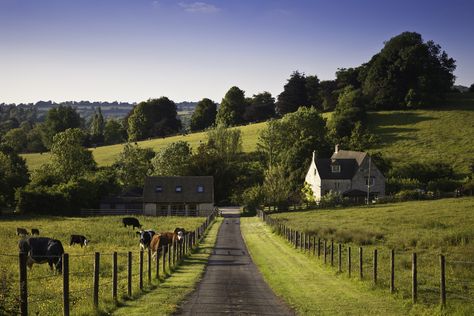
pixel 17 139
pixel 173 160
pixel 204 115
pixel 313 90
pixel 291 141
pixel 328 94
pixel 232 108
pixel 133 165
pixel 13 175
pixel 155 117
pixel 70 160
pixel 58 120
pixel 408 72
pixel 261 108
pixel 294 94
pixel 349 110
pixel 97 127
pixel 114 132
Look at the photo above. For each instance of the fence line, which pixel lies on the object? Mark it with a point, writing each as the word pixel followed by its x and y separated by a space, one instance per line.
pixel 172 258
pixel 372 266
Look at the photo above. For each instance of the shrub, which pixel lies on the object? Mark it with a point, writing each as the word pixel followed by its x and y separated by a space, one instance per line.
pixel 395 184
pixel 408 195
pixel 333 199
pixel 443 185
pixel 252 197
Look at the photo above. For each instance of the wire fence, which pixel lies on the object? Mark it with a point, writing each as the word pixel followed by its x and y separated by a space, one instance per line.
pixel 423 277
pixel 88 280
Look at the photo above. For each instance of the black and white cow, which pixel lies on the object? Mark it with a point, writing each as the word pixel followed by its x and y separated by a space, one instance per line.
pixel 145 238
pixel 78 239
pixel 131 221
pixel 42 250
pixel 180 233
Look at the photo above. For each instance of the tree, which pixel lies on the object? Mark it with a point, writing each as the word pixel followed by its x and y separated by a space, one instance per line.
pixel 58 120
pixel 13 175
pixel 226 142
pixel 97 127
pixel 155 117
pixel 294 94
pixel 204 115
pixel 290 142
pixel 349 110
pixel 35 139
pixel 261 108
pixel 471 88
pixel 17 139
pixel 133 165
pixel 232 108
pixel 69 158
pixel 408 72
pixel 114 132
pixel 313 90
pixel 173 160
pixel 276 187
pixel 328 94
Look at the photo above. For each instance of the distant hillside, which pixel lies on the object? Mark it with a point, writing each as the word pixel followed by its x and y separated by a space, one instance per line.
pixel 442 134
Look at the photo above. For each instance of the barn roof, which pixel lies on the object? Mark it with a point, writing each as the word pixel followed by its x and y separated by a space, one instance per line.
pixel 164 189
pixel 348 168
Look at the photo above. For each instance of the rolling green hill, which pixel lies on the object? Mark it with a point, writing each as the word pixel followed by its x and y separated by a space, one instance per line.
pixel 442 134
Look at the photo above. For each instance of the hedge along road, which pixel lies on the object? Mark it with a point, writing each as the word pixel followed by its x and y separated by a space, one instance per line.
pixel 232 283
pixel 307 286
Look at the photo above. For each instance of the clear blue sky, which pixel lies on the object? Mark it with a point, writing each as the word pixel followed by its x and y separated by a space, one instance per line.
pixel 132 50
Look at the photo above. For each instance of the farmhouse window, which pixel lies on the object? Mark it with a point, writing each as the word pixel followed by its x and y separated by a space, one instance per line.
pixel 179 189
pixel 200 189
pixel 336 168
pixel 372 181
pixel 158 189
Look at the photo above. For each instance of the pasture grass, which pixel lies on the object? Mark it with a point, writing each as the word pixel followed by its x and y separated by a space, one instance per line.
pixel 428 228
pixel 307 286
pixel 166 298
pixel 106 235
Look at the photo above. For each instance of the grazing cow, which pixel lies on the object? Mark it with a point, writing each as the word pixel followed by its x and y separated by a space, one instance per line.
pixel 145 238
pixel 180 233
pixel 78 239
pixel 42 250
pixel 131 221
pixel 35 231
pixel 159 241
pixel 21 231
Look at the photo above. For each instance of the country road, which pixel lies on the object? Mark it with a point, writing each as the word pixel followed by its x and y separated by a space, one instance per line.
pixel 232 284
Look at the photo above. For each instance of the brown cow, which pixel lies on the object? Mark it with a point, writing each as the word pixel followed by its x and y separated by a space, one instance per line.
pixel 161 240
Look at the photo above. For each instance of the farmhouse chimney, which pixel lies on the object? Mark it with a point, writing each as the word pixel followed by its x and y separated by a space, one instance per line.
pixel 314 155
pixel 336 148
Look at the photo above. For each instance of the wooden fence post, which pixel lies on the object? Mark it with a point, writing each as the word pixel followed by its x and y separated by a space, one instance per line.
pixel 319 248
pixel 332 253
pixel 66 284
pixel 163 250
pixel 349 262
pixel 314 245
pixel 140 270
pixel 174 253
pixel 23 285
pixel 325 251
pixel 114 276
pixel 96 279
pixel 414 280
pixel 129 276
pixel 375 267
pixel 392 271
pixel 361 263
pixel 442 262
pixel 149 265
pixel 157 259
pixel 168 249
pixel 339 252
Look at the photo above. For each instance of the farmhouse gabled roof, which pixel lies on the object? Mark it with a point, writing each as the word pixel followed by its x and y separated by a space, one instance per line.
pixel 348 168
pixel 163 189
pixel 349 154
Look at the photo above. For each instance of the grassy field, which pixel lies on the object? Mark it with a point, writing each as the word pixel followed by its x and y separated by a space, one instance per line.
pixel 182 282
pixel 442 135
pixel 309 287
pixel 106 235
pixel 105 156
pixel 428 228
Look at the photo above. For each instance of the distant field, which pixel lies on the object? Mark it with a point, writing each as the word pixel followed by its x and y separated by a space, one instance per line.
pixel 443 135
pixel 106 235
pixel 429 228
pixel 105 156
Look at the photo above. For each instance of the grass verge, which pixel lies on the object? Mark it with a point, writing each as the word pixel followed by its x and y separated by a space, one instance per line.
pixel 165 299
pixel 308 286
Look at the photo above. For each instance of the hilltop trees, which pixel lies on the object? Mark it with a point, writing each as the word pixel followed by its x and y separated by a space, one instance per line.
pixel 232 108
pixel 114 132
pixel 97 127
pixel 407 72
pixel 13 175
pixel 58 120
pixel 261 108
pixel 204 115
pixel 299 91
pixel 155 117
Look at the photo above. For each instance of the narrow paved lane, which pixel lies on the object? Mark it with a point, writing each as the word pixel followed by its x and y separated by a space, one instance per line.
pixel 232 284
